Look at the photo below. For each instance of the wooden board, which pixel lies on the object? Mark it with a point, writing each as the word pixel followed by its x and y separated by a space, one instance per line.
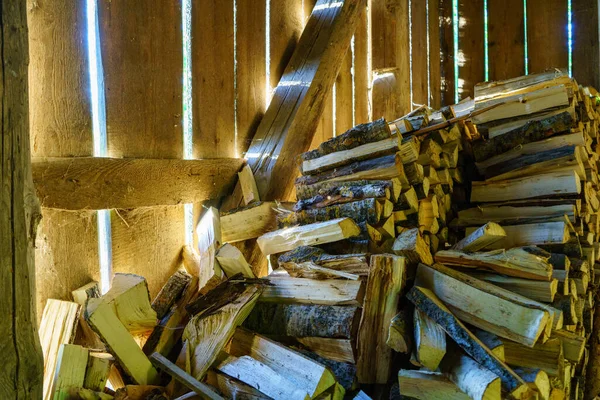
pixel 251 95
pixel 212 74
pixel 103 183
pixel 420 62
pixel 362 68
pixel 447 52
pixel 470 44
pixel 343 96
pixel 286 23
pixel 506 39
pixel 547 45
pixel 585 42
pixel 435 67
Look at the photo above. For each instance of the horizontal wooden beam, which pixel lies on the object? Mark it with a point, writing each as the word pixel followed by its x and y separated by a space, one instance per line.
pixel 101 183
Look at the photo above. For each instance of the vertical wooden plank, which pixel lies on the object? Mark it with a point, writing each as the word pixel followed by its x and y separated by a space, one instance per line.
pixel 402 73
pixel 362 67
pixel 325 128
pixel 471 46
pixel 143 64
pixel 447 52
pixel 547 37
pixel 251 70
pixel 66 252
pixel 23 367
pixel 286 24
pixel 213 78
pixel 343 96
pixel 385 99
pixel 506 39
pixel 586 51
pixel 435 78
pixel 383 33
pixel 420 63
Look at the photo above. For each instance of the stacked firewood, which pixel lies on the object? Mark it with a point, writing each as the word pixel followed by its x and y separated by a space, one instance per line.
pixel 517 294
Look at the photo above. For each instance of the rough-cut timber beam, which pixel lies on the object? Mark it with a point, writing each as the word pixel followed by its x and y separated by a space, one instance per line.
pixel 100 183
pixel 290 122
pixel 21 376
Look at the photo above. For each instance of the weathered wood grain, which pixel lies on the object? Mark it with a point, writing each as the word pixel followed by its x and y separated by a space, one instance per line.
pixel 548 47
pixel 506 39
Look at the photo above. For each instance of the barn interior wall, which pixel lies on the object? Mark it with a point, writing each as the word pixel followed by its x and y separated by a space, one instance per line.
pixel 192 79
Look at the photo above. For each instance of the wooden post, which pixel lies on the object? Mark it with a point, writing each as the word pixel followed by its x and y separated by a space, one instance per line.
pixel 470 43
pixel 21 376
pixel 586 38
pixel 547 35
pixel 506 39
pixel 447 52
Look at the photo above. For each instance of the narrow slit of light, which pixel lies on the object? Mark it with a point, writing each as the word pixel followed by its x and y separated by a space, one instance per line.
pixel 455 42
pixel 334 109
pixel 486 55
pixel 410 51
pixel 525 46
pixel 570 35
pixel 99 137
pixel 353 75
pixel 188 136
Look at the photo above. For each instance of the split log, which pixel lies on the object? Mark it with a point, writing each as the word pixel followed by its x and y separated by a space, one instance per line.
pixel 203 390
pixel 507 215
pixel 323 232
pixel 340 350
pixel 170 292
pixel 410 244
pixel 292 261
pixel 480 238
pixel 70 370
pixel 359 135
pixel 103 320
pixel 427 302
pixel 522 262
pixel 344 372
pixel 58 327
pixel 513 316
pixel 301 371
pixel 328 193
pixel 532 131
pixel 430 341
pixel 531 234
pixel 359 211
pixel 232 388
pixel 249 222
pixel 546 356
pixel 543 185
pixel 543 291
pixel 573 344
pixel 400 334
pixel 130 300
pixel 472 378
pixel 301 320
pixel 537 380
pixel 426 385
pixel 387 277
pixel 343 157
pixel 385 167
pixel 232 262
pixel 206 335
pixel 262 378
pixel 210 238
pixel 248 185
pixel 97 371
pixel 491 341
pixel 409 149
pixel 308 291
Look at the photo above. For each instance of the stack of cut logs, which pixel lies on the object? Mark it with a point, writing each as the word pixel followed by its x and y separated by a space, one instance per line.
pixel 392 276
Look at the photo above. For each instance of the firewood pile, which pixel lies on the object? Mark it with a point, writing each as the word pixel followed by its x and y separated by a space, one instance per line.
pixel 449 254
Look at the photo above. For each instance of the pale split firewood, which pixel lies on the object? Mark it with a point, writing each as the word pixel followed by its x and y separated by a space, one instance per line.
pixel 546 356
pixel 573 344
pixel 58 327
pixel 206 336
pixel 249 222
pixel 480 238
pixel 343 157
pixel 549 185
pixel 409 201
pixel 97 371
pixel 70 370
pixel 426 385
pixel 522 84
pixel 513 316
pixel 537 380
pixel 323 232
pixel 301 371
pixel 386 281
pixel 340 350
pixel 262 378
pixel 409 149
pixel 400 334
pixel 232 261
pixel 232 388
pixel 543 291
pixel 90 290
pixel 283 289
pixel 531 234
pixel 507 215
pixel 427 302
pixel 430 341
pixel 410 244
pixel 521 262
pixel 248 185
pixel 103 320
pixel 472 378
pixel 209 240
pixel 361 396
pixel 130 300
pixel 86 336
pixel 190 259
pixel 491 341
pixel 170 292
pixel 293 261
pixel 205 391
pixel 314 271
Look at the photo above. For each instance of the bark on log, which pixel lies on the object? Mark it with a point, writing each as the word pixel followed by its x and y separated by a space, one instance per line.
pixel 327 193
pixel 169 293
pixel 301 320
pixel 531 132
pixel 21 376
pixel 359 211
pixel 359 135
